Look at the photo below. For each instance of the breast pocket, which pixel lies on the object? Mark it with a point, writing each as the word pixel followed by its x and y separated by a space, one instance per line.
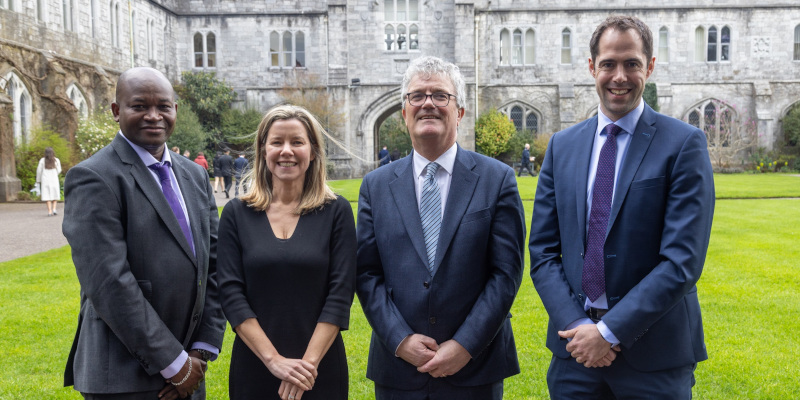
pixel 476 216
pixel 648 183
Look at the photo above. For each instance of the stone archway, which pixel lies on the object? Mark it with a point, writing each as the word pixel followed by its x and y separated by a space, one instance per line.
pixel 373 116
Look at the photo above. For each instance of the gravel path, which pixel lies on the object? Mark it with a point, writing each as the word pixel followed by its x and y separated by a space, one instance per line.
pixel 25 228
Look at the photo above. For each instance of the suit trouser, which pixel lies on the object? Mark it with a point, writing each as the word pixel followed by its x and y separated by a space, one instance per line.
pixel 239 182
pixel 199 394
pixel 440 389
pixel 228 180
pixel 567 379
pixel 524 167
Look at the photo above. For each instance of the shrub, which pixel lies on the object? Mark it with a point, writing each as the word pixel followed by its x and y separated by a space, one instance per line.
pixel 239 127
pixel 28 154
pixel 208 97
pixel 493 130
pixel 95 132
pixel 791 126
pixel 189 133
pixel 650 96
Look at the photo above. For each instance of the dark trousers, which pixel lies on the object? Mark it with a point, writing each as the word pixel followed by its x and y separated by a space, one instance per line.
pixel 440 389
pixel 567 379
pixel 239 182
pixel 199 394
pixel 524 167
pixel 227 180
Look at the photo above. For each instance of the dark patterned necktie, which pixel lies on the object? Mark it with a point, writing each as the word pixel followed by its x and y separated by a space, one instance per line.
pixel 430 212
pixel 162 169
pixel 594 277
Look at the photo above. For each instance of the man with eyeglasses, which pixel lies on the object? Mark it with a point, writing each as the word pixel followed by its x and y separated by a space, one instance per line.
pixel 438 278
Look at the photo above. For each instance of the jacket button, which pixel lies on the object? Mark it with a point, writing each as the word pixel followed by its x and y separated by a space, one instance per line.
pixel 195 317
pixel 432 320
pixel 426 284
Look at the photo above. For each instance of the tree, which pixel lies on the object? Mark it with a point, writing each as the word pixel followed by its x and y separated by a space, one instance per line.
pixel 650 95
pixel 394 135
pixel 239 127
pixel 493 130
pixel 207 96
pixel 189 133
pixel 28 153
pixel 791 126
pixel 310 92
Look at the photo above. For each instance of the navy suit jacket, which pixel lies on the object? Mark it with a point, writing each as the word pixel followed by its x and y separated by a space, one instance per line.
pixel 145 296
pixel 656 242
pixel 478 269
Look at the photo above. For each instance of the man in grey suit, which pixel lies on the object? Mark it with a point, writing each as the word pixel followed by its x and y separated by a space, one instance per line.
pixel 619 234
pixel 225 165
pixel 142 224
pixel 440 254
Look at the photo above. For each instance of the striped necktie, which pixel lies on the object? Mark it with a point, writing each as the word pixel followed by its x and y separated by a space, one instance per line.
pixel 430 212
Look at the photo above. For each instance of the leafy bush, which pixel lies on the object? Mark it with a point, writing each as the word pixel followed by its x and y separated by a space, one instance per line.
pixel 28 154
pixel 239 127
pixel 95 132
pixel 493 130
pixel 208 97
pixel 650 95
pixel 394 135
pixel 791 126
pixel 189 133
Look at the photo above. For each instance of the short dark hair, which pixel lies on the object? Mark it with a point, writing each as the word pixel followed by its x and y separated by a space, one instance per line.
pixel 622 23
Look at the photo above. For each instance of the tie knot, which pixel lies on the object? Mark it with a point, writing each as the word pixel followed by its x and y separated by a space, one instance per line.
pixel 430 170
pixel 612 130
pixel 162 169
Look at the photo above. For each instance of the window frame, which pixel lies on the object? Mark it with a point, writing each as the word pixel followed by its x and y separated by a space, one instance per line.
pixel 287 59
pixel 400 15
pixel 566 49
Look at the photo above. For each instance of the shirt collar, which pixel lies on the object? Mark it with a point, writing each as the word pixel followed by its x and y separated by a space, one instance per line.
pixel 627 123
pixel 145 155
pixel 445 161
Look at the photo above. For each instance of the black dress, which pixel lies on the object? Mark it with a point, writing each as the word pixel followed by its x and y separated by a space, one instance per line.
pixel 289 285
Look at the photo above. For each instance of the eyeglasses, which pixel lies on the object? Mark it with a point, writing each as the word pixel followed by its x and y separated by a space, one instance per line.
pixel 439 99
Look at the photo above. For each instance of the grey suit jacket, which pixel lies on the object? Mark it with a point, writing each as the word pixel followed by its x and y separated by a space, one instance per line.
pixel 477 272
pixel 656 242
pixel 144 296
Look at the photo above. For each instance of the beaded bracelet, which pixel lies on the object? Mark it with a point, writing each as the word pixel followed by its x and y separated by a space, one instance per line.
pixel 189 360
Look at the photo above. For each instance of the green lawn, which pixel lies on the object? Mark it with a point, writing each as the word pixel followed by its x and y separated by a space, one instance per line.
pixel 748 293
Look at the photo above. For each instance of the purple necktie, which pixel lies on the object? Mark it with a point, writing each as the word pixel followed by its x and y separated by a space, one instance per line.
pixel 594 275
pixel 162 169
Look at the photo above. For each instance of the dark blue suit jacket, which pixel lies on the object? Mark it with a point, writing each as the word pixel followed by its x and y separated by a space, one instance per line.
pixel 478 269
pixel 656 243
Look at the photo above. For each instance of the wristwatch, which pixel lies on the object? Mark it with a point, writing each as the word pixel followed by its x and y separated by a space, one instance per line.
pixel 205 355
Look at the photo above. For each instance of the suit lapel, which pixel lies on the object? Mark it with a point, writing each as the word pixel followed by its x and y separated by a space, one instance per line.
pixel 583 157
pixel 462 186
pixel 152 190
pixel 405 199
pixel 640 142
pixel 193 204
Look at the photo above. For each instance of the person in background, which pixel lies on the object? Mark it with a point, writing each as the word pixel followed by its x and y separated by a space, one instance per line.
pixel 201 160
pixel 217 174
pixel 187 154
pixel 176 150
pixel 239 170
pixel 225 167
pixel 287 264
pixel 47 177
pixel 383 156
pixel 525 161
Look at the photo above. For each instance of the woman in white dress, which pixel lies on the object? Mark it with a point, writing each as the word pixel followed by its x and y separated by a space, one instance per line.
pixel 47 178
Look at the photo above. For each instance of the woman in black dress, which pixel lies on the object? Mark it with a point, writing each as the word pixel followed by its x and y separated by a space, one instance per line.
pixel 286 263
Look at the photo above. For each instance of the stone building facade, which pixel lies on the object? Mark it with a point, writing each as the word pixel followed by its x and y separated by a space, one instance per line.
pixel 718 62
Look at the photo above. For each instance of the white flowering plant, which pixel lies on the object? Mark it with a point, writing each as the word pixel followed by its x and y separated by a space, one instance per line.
pixel 95 132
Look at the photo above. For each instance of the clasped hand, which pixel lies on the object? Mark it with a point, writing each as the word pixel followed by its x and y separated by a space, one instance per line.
pixel 297 376
pixel 588 346
pixel 184 390
pixel 438 360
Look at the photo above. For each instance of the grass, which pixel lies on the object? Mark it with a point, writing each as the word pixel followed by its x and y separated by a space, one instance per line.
pixel 748 294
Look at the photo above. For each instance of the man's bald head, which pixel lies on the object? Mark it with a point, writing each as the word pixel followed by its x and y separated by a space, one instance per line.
pixel 139 74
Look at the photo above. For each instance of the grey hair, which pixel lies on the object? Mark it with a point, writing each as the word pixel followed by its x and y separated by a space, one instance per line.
pixel 428 66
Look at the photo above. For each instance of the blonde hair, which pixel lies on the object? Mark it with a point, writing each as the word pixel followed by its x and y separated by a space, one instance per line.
pixel 316 191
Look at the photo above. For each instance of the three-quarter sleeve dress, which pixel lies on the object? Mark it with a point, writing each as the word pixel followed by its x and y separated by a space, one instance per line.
pixel 288 285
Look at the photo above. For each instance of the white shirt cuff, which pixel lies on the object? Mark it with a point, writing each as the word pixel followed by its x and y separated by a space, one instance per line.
pixel 607 334
pixel 176 365
pixel 207 347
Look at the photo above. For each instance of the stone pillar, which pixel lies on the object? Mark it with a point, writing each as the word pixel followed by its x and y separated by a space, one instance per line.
pixel 566 107
pixel 765 114
pixel 9 184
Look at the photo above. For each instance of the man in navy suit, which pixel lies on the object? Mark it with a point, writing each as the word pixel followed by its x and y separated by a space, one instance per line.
pixel 639 215
pixel 439 310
